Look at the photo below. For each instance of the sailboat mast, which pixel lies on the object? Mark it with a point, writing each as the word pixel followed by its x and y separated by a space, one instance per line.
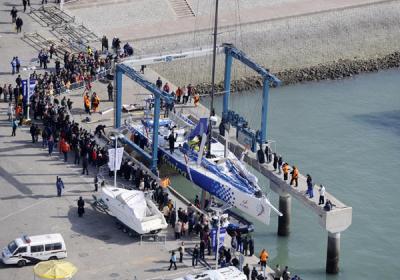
pixel 213 78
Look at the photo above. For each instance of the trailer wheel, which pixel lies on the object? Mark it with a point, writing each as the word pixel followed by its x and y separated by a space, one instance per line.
pixel 53 258
pixel 21 263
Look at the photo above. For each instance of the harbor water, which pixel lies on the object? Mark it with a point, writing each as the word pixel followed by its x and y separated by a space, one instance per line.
pixel 346 134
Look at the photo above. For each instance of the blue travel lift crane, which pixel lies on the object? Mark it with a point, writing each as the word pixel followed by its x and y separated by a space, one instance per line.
pixel 127 67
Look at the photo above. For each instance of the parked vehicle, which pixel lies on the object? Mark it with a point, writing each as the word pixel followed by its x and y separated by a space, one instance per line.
pixel 33 249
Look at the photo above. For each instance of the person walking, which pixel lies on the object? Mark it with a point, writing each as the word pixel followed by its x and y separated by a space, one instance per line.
pixel 19 23
pixel 321 195
pixel 309 186
pixel 268 153
pixel 295 176
pixel 178 229
pixel 14 127
pixel 110 90
pixel 81 206
pixel 195 256
pixel 172 261
pixel 59 185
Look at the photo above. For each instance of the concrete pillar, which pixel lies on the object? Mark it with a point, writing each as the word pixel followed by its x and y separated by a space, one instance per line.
pixel 332 254
pixel 285 205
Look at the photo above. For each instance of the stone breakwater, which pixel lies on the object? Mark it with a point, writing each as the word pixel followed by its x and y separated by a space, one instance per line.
pixel 343 68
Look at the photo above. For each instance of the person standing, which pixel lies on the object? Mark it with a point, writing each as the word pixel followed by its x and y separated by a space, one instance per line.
pixel 81 207
pixel 178 229
pixel 275 163
pixel 285 170
pixel 172 261
pixel 251 246
pixel 195 256
pixel 254 273
pixel 13 67
pixel 309 186
pixel 280 162
pixel 9 111
pixel 246 271
pixel 13 13
pixel 85 164
pixel 19 23
pixel 159 83
pixel 267 153
pixel 24 2
pixel 104 43
pixel 181 251
pixel 14 127
pixel 295 176
pixel 321 195
pixel 17 64
pixel 110 90
pixel 59 185
pixel 171 141
pixel 96 183
pixel 65 148
pixel 263 260
pixel 278 272
pixel 50 144
pixel 32 132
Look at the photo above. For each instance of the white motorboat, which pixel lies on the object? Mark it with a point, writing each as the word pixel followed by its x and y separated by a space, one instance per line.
pixel 133 209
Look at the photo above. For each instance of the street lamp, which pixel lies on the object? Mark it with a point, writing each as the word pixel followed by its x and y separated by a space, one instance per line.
pixel 28 89
pixel 219 211
pixel 114 137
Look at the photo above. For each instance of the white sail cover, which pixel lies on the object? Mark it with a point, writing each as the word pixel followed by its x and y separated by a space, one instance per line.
pixel 134 200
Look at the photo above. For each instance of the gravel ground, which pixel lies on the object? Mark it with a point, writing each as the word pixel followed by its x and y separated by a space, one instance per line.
pixel 363 32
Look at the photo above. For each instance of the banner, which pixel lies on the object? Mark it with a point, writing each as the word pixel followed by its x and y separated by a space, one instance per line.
pixel 111 157
pixel 222 232
pixel 25 89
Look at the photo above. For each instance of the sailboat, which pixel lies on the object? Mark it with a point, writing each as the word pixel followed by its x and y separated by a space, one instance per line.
pixel 202 159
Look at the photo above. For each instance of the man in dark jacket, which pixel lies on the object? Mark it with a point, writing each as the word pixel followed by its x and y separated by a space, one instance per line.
pixel 19 24
pixel 81 207
pixel 171 141
pixel 246 271
pixel 110 90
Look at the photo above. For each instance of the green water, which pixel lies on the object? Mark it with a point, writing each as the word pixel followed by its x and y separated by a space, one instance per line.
pixel 346 134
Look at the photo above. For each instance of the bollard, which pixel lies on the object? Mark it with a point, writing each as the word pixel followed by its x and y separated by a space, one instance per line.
pixel 285 204
pixel 332 254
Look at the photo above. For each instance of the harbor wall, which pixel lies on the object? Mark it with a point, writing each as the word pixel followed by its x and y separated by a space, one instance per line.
pixel 329 45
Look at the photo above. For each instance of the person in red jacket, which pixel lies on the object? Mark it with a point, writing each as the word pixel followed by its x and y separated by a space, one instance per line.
pixel 65 148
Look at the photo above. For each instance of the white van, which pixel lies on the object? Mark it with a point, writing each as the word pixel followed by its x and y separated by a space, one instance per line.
pixel 33 249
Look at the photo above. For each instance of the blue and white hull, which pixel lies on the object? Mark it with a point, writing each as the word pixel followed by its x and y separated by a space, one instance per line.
pixel 224 177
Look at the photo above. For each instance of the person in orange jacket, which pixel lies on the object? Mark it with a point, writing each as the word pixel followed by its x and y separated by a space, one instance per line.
pixel 86 103
pixel 263 259
pixel 65 148
pixel 285 170
pixel 95 102
pixel 295 176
